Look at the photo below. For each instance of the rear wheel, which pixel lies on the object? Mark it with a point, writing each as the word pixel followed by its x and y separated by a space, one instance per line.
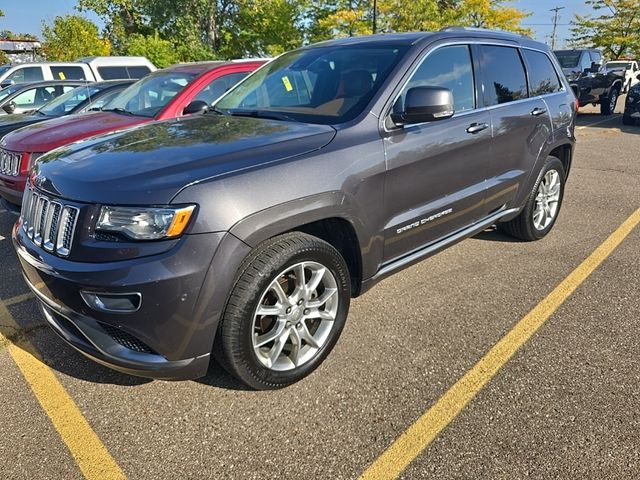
pixel 285 313
pixel 543 205
pixel 608 104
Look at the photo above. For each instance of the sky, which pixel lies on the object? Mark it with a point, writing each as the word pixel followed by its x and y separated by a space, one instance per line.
pixel 27 16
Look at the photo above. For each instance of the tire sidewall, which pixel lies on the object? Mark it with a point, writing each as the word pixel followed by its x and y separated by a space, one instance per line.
pixel 251 370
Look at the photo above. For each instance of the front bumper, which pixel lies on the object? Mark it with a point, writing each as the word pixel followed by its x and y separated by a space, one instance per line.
pixel 169 337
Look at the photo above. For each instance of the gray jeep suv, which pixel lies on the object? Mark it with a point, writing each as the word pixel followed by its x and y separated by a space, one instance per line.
pixel 243 233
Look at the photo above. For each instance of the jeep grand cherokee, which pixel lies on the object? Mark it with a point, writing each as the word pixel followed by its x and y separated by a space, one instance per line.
pixel 243 234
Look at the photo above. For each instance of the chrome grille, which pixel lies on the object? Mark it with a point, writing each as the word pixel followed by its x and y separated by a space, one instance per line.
pixel 50 224
pixel 10 162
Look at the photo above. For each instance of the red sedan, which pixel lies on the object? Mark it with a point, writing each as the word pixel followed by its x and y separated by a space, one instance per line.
pixel 169 93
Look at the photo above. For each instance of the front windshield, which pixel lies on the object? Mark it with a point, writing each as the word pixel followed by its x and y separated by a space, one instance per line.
pixel 68 101
pixel 327 85
pixel 149 95
pixel 5 92
pixel 568 59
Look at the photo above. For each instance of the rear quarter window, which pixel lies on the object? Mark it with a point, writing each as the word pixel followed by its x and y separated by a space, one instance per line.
pixel 543 78
pixel 113 73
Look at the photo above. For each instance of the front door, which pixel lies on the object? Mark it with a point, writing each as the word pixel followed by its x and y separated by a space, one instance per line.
pixel 436 171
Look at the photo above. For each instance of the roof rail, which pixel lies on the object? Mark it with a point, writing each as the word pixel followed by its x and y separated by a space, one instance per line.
pixel 487 30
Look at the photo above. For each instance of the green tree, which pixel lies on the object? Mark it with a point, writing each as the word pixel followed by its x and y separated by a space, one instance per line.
pixel 615 28
pixel 122 18
pixel 70 37
pixel 162 53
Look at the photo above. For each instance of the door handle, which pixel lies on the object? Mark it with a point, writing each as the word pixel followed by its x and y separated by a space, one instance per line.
pixel 477 127
pixel 538 111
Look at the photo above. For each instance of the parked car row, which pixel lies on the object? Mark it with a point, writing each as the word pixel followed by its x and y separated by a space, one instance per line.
pixel 155 242
pixel 90 69
pixel 104 107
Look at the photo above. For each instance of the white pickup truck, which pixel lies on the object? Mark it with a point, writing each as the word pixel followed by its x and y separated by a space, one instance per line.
pixel 92 69
pixel 631 71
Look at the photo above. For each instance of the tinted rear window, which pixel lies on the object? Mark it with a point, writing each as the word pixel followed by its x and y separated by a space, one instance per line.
pixel 68 73
pixel 543 78
pixel 503 75
pixel 113 73
pixel 138 72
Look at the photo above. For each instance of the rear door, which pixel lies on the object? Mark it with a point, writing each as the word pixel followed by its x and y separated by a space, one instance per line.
pixel 435 181
pixel 521 124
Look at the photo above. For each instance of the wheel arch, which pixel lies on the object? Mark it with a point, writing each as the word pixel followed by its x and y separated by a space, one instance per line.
pixel 325 216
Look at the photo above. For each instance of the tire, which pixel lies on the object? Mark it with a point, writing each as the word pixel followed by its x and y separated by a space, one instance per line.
pixel 535 221
pixel 608 104
pixel 297 327
pixel 628 120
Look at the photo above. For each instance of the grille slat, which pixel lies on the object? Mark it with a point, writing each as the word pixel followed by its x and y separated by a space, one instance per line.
pixel 48 223
pixel 10 162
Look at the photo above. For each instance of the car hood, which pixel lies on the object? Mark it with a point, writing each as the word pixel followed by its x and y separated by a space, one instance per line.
pixel 149 165
pixel 9 123
pixel 45 136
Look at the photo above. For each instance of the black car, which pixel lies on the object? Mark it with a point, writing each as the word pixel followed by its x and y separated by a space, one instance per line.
pixel 77 100
pixel 26 97
pixel 632 105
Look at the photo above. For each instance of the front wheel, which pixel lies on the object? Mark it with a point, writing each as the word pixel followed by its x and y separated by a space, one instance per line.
pixel 608 104
pixel 543 204
pixel 285 312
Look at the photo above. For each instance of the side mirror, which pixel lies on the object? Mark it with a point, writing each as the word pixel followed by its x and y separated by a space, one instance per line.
pixel 10 107
pixel 595 67
pixel 197 107
pixel 638 76
pixel 7 83
pixel 425 104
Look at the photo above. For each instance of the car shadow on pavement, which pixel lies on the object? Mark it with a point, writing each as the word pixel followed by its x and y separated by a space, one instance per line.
pixel 218 377
pixel 492 234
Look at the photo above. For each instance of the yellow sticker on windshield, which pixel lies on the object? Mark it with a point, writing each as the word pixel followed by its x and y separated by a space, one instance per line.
pixel 61 75
pixel 287 83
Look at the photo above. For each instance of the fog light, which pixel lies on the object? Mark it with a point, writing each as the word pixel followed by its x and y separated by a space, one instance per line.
pixel 113 302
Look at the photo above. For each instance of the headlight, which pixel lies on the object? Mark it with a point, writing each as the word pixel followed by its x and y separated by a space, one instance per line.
pixel 141 223
pixel 33 158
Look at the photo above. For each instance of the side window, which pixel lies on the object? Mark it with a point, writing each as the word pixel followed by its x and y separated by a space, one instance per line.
pixel 504 79
pixel 138 72
pixel 68 73
pixel 45 95
pixel 585 62
pixel 448 67
pixel 26 74
pixel 543 78
pixel 25 99
pixel 596 57
pixel 113 73
pixel 219 86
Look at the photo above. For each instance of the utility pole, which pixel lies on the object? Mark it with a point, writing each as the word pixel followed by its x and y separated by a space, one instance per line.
pixel 375 8
pixel 555 22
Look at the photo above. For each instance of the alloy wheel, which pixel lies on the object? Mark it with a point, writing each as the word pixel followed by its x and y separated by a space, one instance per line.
pixel 295 316
pixel 547 200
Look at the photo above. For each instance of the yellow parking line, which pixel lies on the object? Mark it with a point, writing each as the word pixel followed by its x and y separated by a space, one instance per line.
pixel 89 452
pixel 18 299
pixel 419 435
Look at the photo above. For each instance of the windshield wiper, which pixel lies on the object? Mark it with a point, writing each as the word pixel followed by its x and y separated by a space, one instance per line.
pixel 261 114
pixel 121 111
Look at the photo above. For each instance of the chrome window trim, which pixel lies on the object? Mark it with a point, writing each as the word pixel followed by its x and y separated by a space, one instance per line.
pixel 497 43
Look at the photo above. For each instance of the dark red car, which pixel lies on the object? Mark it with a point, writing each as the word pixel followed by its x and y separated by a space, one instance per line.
pixel 169 93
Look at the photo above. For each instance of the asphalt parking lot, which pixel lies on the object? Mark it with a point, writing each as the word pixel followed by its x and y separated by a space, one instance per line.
pixel 562 400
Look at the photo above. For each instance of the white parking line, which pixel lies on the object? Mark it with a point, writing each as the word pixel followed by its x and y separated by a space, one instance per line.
pixel 2 238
